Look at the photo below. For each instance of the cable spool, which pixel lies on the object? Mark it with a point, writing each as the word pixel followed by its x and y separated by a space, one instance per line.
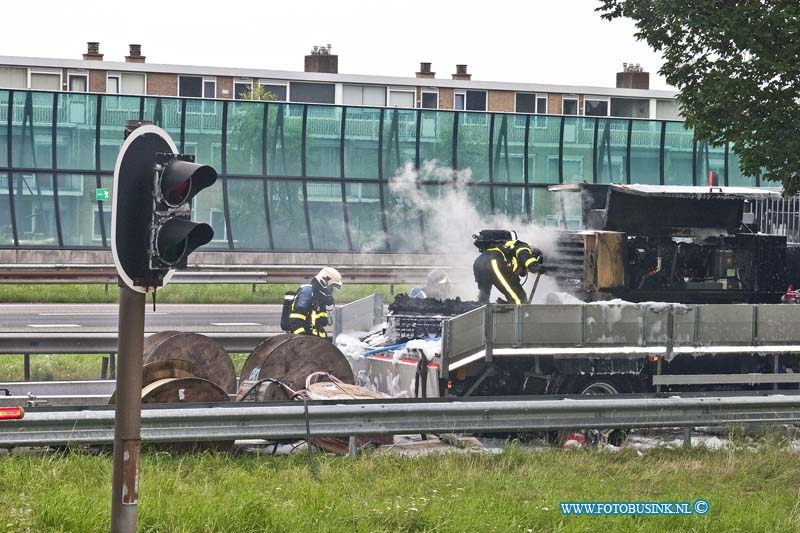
pixel 210 360
pixel 290 359
pixel 185 390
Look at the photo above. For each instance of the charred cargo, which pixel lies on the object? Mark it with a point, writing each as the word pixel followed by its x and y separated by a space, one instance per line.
pixel 418 318
pixel 674 244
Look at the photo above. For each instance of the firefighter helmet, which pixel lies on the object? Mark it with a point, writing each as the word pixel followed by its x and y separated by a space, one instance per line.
pixel 329 279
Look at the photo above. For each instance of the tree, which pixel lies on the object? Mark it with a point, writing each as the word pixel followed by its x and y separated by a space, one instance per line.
pixel 258 92
pixel 247 121
pixel 736 65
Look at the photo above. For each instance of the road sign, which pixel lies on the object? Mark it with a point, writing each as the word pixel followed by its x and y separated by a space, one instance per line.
pixel 102 195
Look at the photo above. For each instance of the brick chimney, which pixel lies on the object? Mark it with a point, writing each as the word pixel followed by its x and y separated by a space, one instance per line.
pixel 321 60
pixel 135 54
pixel 93 52
pixel 633 76
pixel 461 73
pixel 425 71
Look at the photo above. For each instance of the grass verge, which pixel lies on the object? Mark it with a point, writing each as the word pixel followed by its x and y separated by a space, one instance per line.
pixel 190 294
pixel 517 490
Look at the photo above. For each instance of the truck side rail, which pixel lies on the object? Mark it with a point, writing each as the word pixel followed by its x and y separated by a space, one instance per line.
pixel 618 329
pixel 360 315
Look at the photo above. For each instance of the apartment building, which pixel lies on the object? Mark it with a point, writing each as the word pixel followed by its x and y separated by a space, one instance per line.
pixel 321 83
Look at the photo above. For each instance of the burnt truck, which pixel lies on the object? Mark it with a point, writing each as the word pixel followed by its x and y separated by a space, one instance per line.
pixel 681 293
pixel 670 244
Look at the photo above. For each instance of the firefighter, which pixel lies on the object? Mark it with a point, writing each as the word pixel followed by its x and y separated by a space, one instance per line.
pixel 437 286
pixel 501 264
pixel 308 314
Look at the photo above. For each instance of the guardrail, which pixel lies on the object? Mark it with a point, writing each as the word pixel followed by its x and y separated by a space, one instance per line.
pixel 106 274
pixel 287 420
pixel 246 274
pixel 28 344
pixel 56 393
pixel 106 342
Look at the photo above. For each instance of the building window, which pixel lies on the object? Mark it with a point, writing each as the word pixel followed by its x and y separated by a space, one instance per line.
pixel 595 107
pixel 96 234
pixel 190 86
pixel 277 89
pixel 112 84
pixel 313 93
pixel 13 78
pixel 525 103
pixel 78 82
pixel 400 98
pixel 541 105
pixel 569 106
pixel 125 83
pixel 476 100
pixel 241 88
pixel 630 107
pixel 668 110
pixel 132 83
pixel 367 95
pixel 430 99
pixel 531 103
pixel 459 101
pixel 217 219
pixel 45 80
pixel 209 87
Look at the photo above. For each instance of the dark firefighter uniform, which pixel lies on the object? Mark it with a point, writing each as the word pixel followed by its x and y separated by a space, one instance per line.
pixel 501 266
pixel 309 312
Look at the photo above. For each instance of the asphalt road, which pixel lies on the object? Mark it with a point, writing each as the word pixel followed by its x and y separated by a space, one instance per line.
pixel 29 318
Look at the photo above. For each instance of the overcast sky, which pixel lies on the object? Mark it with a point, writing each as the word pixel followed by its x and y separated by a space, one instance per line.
pixel 535 41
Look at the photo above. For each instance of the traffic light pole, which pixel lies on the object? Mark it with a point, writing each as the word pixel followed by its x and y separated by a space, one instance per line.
pixel 128 411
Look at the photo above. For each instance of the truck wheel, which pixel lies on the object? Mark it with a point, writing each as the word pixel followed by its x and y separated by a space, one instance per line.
pixel 594 386
pixel 601 385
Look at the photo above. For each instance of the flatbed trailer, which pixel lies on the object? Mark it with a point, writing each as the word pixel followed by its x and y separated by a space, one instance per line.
pixel 618 347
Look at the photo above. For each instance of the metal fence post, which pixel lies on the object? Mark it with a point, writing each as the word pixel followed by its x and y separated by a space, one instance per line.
pixel 352 448
pixel 26 366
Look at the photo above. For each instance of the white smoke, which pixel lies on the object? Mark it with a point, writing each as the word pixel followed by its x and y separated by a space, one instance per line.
pixel 451 219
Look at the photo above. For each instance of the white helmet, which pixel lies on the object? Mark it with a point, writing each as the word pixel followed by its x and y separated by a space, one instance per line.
pixel 329 278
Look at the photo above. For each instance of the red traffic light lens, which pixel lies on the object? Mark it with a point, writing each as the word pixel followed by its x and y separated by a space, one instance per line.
pixel 178 194
pixel 181 180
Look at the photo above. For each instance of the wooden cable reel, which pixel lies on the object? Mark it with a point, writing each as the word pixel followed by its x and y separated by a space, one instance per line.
pixel 290 359
pixel 210 360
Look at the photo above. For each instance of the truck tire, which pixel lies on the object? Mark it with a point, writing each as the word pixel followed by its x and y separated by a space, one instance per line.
pixel 590 386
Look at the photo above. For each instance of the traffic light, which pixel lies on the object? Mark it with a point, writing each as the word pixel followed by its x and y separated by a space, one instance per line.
pixel 152 230
pixel 177 180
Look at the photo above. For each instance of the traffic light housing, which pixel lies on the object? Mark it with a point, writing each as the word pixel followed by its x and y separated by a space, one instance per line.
pixel 177 179
pixel 152 230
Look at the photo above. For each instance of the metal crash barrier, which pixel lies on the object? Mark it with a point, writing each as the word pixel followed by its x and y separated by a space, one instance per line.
pixel 44 426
